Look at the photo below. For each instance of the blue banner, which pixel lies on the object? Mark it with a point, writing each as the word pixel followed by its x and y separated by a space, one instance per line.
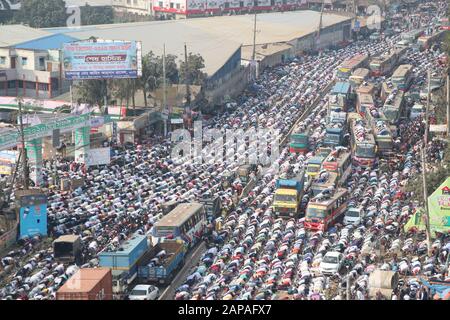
pixel 102 59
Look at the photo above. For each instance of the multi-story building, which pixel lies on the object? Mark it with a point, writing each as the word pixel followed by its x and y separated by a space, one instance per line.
pixel 142 7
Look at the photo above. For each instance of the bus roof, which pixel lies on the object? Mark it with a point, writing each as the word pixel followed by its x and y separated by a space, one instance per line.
pixel 316 160
pixel 361 132
pixel 368 88
pixel 179 215
pixel 365 98
pixel 287 192
pixel 402 70
pixel 341 88
pixel 394 99
pixel 361 72
pixel 328 201
pixel 338 155
pixel 331 179
pixel 354 61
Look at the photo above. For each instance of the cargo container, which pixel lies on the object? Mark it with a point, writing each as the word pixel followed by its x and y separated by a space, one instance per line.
pixel 123 261
pixel 159 266
pixel 87 284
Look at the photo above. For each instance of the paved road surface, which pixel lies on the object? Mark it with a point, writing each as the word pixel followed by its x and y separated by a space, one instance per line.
pixel 191 260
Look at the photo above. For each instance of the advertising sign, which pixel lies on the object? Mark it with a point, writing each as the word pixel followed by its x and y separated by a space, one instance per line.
pixel 32 215
pixel 439 207
pixel 102 59
pixel 98 156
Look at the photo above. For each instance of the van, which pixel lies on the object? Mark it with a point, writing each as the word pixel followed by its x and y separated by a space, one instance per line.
pixel 353 216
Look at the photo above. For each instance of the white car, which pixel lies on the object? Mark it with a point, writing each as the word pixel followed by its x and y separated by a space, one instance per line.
pixel 331 262
pixel 144 292
pixel 353 216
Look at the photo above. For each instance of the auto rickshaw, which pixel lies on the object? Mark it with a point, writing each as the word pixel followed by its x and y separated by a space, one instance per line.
pixel 244 172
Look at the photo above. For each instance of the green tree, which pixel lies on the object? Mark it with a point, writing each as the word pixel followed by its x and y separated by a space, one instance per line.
pixel 195 64
pixel 43 13
pixel 124 90
pixel 93 92
pixel 96 15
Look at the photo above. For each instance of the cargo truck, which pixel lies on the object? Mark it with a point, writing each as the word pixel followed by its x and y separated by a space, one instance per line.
pixel 288 195
pixel 67 249
pixel 87 284
pixel 161 263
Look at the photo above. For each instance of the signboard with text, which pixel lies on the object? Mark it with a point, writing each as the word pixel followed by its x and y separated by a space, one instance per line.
pixel 102 60
pixel 98 156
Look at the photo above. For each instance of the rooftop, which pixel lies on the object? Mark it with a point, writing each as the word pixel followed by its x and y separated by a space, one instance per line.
pixel 179 214
pixel 128 246
pixel 216 38
pixel 13 34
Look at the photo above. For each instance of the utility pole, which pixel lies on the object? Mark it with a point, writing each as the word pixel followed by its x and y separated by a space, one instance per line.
pixel 164 88
pixel 425 199
pixel 317 39
pixel 105 98
pixel 448 107
pixel 188 90
pixel 26 173
pixel 253 63
pixel 427 111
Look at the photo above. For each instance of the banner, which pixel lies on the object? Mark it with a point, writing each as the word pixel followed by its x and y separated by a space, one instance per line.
pixel 439 207
pixel 98 156
pixel 102 60
pixel 32 214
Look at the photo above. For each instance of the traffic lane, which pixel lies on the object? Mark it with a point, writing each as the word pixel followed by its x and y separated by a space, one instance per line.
pixel 191 260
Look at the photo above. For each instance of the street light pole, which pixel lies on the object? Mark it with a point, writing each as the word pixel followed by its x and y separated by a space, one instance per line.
pixel 425 199
pixel 26 173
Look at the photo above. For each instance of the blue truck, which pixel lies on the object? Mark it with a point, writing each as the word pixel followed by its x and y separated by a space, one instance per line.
pixel 335 130
pixel 124 261
pixel 160 263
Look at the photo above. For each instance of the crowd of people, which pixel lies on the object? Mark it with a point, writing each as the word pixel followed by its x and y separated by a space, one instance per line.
pixel 255 255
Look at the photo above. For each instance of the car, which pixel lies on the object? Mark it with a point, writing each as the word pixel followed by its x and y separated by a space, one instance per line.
pixel 331 263
pixel 353 216
pixel 144 292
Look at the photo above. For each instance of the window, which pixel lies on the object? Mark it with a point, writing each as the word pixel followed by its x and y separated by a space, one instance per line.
pixel 160 4
pixel 171 5
pixel 2 60
pixel 24 61
pixel 178 6
pixel 128 1
pixel 41 61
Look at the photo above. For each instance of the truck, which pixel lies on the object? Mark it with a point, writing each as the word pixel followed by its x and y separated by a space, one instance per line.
pixel 288 195
pixel 314 165
pixel 335 129
pixel 87 284
pixel 67 248
pixel 212 205
pixel 160 263
pixel 299 142
pixel 124 261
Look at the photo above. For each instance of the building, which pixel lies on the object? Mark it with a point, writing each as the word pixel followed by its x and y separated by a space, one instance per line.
pixel 141 7
pixel 223 41
pixel 30 62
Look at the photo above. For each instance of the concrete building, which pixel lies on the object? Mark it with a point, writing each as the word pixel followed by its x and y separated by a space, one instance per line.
pixel 141 7
pixel 30 62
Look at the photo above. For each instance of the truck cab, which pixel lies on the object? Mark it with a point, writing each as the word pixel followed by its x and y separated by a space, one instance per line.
pixel 288 195
pixel 314 165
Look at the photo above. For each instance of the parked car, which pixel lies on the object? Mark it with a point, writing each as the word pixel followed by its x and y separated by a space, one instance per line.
pixel 331 263
pixel 144 292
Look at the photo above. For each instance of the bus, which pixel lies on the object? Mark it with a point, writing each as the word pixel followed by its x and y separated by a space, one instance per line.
pixel 299 142
pixel 425 42
pixel 359 76
pixel 322 181
pixel 362 142
pixel 339 161
pixel 394 106
pixel 381 130
pixel 403 77
pixel 386 89
pixel 322 211
pixel 411 36
pixel 348 66
pixel 314 165
pixel 385 63
pixel 364 101
pixel 186 222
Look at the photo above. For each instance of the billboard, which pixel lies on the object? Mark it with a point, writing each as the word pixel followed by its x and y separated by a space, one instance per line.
pixel 32 214
pixel 102 59
pixel 98 156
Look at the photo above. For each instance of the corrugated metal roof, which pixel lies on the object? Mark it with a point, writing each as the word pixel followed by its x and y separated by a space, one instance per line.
pixel 52 41
pixel 216 38
pixel 16 33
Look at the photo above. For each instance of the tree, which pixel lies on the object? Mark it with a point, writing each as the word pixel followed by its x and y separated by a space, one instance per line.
pixel 96 15
pixel 195 65
pixel 43 13
pixel 92 92
pixel 123 89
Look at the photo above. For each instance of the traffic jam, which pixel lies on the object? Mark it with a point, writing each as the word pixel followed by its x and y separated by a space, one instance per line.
pixel 318 223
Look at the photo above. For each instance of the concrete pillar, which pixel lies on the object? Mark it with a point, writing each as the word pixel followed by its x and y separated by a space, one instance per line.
pixel 34 154
pixel 82 144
